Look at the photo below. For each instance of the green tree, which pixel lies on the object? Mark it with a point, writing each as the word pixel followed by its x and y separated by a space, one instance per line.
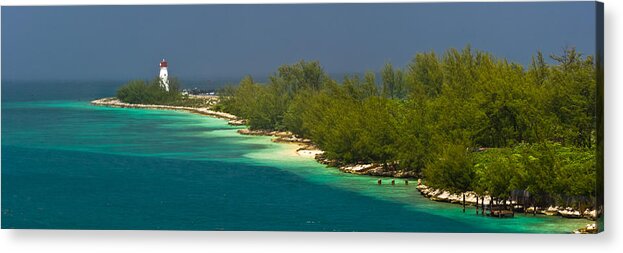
pixel 393 82
pixel 452 170
pixel 425 76
pixel 142 92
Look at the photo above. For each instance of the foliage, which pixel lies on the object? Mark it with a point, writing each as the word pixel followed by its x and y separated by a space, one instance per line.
pixel 552 173
pixel 538 123
pixel 142 92
pixel 451 169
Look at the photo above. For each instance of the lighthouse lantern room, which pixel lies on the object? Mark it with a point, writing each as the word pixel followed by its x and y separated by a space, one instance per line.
pixel 164 75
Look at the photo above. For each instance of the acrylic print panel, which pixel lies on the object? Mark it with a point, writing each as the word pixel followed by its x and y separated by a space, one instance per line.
pixel 419 117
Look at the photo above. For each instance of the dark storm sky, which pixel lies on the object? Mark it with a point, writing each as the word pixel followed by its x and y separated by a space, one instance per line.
pixel 228 41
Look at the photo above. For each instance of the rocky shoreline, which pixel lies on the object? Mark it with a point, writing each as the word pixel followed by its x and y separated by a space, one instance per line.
pixel 590 228
pixel 114 102
pixel 472 199
pixel 374 169
pixel 308 149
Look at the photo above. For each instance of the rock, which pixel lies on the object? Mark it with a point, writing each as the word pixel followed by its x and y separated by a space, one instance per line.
pixel 470 198
pixel 309 152
pixel 590 214
pixel 237 122
pixel 570 213
pixel 551 211
pixel 247 131
pixel 114 102
pixel 283 134
pixel 405 174
pixel 357 168
pixel 588 229
pixel 444 196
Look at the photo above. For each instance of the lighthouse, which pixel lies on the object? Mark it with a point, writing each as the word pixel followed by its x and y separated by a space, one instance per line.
pixel 164 75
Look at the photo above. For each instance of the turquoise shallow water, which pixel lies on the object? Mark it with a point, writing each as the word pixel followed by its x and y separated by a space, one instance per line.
pixel 69 165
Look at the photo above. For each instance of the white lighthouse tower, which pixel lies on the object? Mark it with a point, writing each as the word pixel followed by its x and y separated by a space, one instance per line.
pixel 164 75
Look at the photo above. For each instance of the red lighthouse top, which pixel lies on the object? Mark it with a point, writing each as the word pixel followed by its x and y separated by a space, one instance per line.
pixel 163 63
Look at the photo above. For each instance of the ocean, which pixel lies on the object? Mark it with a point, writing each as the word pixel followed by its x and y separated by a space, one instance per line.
pixel 69 165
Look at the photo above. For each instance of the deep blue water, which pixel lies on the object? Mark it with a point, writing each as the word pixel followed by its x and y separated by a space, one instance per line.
pixel 69 165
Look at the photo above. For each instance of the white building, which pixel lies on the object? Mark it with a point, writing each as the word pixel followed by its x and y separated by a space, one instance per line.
pixel 164 75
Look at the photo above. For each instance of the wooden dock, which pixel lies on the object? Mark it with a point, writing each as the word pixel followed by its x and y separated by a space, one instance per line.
pixel 501 212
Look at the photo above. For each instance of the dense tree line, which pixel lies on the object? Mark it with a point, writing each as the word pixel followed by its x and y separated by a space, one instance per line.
pixel 152 92
pixel 149 92
pixel 536 125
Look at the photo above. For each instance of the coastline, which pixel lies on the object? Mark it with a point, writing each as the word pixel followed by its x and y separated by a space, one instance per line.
pixel 472 199
pixel 308 149
pixel 305 148
pixel 114 102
